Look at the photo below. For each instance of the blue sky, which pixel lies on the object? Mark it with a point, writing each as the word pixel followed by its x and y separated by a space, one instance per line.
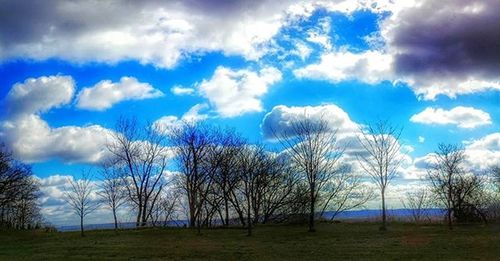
pixel 370 60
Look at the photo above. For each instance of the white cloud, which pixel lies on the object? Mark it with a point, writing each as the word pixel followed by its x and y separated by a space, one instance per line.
pixel 421 139
pixel 32 139
pixel 484 152
pixel 179 90
pixel 279 119
pixel 234 92
pixel 106 93
pixel 58 212
pixel 462 117
pixel 369 67
pixel 153 32
pixel 160 33
pixel 37 95
pixel 192 115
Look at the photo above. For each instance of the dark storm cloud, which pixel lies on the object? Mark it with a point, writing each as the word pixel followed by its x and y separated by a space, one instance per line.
pixel 455 38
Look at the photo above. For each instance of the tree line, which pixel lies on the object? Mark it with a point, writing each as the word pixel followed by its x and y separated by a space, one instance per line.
pixel 223 180
pixel 19 193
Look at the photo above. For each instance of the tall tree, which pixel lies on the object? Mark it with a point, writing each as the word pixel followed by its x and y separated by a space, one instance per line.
pixel 195 151
pixel 381 156
pixel 312 146
pixel 142 157
pixel 79 196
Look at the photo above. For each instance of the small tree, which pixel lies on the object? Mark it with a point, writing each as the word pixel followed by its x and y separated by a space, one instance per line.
pixel 112 190
pixel 417 202
pixel 458 190
pixel 381 157
pixel 79 196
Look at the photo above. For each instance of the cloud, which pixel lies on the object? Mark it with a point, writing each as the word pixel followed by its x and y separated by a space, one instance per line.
pixel 36 95
pixel 279 119
pixel 179 90
pixel 192 115
pixel 484 152
pixel 105 93
pixel 370 67
pixel 153 32
pixel 235 92
pixel 32 139
pixel 462 117
pixel 421 139
pixel 161 33
pixel 453 51
pixel 58 212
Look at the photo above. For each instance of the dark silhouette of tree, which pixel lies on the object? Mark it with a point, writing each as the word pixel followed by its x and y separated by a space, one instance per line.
pixel 312 147
pixel 141 155
pixel 458 190
pixel 19 193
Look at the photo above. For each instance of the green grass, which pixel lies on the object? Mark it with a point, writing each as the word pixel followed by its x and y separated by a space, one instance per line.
pixel 331 241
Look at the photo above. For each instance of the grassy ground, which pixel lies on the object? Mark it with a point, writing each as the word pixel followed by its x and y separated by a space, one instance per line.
pixel 331 241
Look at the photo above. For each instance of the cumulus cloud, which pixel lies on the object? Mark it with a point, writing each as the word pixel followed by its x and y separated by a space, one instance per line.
pixel 279 119
pixel 106 93
pixel 58 212
pixel 36 95
pixel 336 66
pixel 462 117
pixel 484 152
pixel 157 32
pixel 154 32
pixel 234 92
pixel 192 115
pixel 179 90
pixel 453 51
pixel 32 139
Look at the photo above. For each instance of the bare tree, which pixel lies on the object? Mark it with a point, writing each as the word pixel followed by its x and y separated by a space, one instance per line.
pixel 19 193
pixel 344 191
pixel 312 146
pixel 166 208
pixel 381 157
pixel 195 150
pixel 417 202
pixel 252 166
pixel 226 177
pixel 142 156
pixel 112 190
pixel 459 191
pixel 495 173
pixel 79 196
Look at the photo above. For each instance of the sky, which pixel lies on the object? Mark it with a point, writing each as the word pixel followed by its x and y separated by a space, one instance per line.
pixel 70 69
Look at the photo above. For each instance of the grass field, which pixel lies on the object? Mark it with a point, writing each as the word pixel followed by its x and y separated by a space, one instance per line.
pixel 359 241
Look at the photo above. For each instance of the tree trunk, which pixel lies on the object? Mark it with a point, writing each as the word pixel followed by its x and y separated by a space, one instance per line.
pixel 249 218
pixel 384 215
pixel 311 211
pixel 450 223
pixel 144 216
pixel 81 226
pixel 226 204
pixel 114 217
